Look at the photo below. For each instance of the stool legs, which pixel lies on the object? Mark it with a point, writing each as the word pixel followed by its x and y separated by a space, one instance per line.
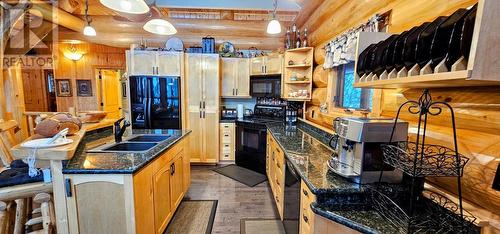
pixel 3 217
pixel 20 216
pixel 46 211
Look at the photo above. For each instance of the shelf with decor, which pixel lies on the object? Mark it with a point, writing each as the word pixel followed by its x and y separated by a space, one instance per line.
pixel 468 60
pixel 298 73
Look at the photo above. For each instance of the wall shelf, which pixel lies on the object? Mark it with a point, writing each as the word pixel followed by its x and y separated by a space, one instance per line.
pixel 298 82
pixel 299 66
pixel 446 79
pixel 301 49
pixel 291 88
pixel 480 69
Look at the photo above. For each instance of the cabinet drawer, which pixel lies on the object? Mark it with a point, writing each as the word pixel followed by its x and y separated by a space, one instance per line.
pixel 226 137
pixel 226 148
pixel 226 156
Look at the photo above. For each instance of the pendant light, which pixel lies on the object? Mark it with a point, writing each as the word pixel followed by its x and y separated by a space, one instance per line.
pixel 160 27
pixel 127 6
pixel 274 26
pixel 88 30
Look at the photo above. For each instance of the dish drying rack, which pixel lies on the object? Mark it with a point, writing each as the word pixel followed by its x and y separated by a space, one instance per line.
pixel 411 211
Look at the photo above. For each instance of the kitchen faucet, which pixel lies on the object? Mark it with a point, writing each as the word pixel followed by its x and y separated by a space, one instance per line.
pixel 120 130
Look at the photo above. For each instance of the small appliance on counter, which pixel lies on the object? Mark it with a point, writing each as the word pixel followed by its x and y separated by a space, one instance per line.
pixel 358 154
pixel 229 113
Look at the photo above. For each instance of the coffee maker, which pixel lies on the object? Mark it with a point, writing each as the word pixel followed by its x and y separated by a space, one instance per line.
pixel 358 153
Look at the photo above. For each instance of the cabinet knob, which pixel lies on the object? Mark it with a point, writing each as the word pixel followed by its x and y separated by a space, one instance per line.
pixel 305 192
pixel 304 217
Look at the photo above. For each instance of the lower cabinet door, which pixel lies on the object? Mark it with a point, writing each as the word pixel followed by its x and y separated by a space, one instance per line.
pixel 176 182
pixel 161 194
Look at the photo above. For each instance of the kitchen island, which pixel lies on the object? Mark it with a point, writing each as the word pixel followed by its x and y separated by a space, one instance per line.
pixel 126 192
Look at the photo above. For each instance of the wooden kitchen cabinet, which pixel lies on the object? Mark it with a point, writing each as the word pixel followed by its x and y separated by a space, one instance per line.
pixel 142 62
pixel 154 63
pixel 276 172
pixel 227 141
pixel 267 65
pixel 202 97
pixel 306 218
pixel 162 199
pixel 143 202
pixel 235 78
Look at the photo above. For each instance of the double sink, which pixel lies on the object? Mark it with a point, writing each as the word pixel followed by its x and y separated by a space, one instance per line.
pixel 134 144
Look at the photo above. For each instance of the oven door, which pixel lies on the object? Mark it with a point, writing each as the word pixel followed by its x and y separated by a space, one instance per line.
pixel 265 87
pixel 251 147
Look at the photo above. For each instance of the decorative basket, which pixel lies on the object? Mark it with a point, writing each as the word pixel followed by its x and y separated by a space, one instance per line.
pixel 432 160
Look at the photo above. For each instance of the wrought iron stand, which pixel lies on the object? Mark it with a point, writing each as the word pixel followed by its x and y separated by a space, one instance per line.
pixel 419 160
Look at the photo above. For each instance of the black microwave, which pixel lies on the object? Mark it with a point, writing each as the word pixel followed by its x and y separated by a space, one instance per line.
pixel 265 86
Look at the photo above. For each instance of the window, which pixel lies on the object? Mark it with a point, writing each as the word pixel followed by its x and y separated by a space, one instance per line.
pixel 347 96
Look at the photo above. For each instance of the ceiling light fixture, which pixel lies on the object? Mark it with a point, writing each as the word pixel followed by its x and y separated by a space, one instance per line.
pixel 274 26
pixel 160 27
pixel 88 30
pixel 127 6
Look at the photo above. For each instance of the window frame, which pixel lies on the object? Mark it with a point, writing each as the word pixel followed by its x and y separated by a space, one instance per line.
pixel 338 98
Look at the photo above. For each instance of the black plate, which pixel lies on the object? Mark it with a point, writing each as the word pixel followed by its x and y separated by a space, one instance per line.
pixel 370 60
pixel 379 63
pixel 441 42
pixel 409 52
pixel 361 66
pixel 399 48
pixel 423 50
pixel 454 47
pixel 468 32
pixel 387 58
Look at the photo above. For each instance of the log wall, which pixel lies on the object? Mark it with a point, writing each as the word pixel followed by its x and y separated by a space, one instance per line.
pixel 477 109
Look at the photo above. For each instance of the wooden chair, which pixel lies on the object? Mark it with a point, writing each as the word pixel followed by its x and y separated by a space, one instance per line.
pixel 15 201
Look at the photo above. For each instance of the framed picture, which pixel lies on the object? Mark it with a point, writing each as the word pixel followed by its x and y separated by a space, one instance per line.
pixel 84 88
pixel 63 88
pixel 124 89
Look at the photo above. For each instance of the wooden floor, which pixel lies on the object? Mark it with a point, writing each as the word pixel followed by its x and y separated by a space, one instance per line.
pixel 236 200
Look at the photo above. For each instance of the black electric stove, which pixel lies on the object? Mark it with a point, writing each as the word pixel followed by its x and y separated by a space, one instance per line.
pixel 251 136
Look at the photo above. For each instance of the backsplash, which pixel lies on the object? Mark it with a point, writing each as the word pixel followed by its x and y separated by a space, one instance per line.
pixel 317 133
pixel 248 103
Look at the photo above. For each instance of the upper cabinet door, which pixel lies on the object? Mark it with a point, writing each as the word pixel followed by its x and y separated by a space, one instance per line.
pixel 142 62
pixel 168 63
pixel 274 64
pixel 243 86
pixel 229 71
pixel 257 66
pixel 210 82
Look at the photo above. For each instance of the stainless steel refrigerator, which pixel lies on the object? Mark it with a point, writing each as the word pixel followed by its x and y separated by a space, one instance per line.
pixel 155 102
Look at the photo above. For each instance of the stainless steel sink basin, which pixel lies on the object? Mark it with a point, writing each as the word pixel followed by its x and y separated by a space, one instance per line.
pixel 124 147
pixel 149 138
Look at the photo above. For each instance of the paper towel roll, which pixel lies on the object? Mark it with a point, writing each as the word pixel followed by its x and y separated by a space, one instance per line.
pixel 240 111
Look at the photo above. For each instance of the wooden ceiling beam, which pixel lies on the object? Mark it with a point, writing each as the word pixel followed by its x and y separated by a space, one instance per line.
pixel 189 39
pixel 59 16
pixel 308 8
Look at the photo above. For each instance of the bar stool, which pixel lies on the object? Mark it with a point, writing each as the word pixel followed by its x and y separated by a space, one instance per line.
pixel 19 190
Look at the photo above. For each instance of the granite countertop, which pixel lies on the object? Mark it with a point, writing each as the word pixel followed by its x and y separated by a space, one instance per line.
pixel 117 163
pixel 308 153
pixel 338 199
